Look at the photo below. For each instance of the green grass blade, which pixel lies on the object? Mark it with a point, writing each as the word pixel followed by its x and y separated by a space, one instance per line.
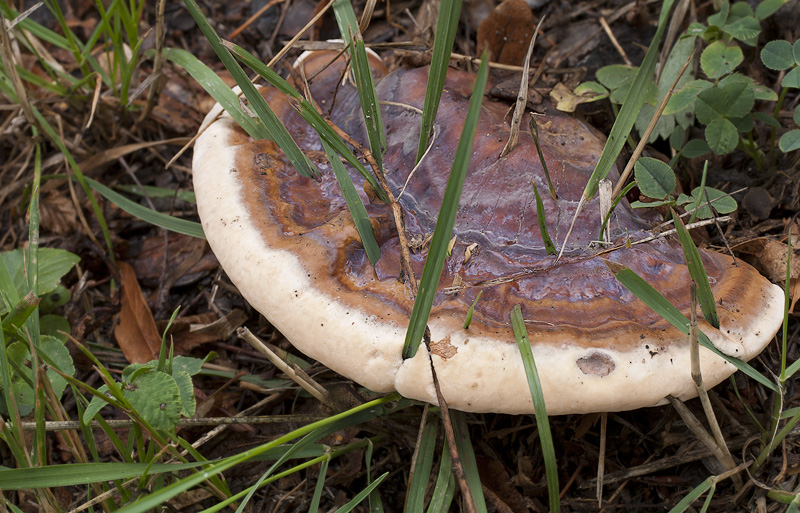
pixel 467 456
pixel 323 470
pixel 548 242
pixel 348 27
pixel 445 487
pixel 652 298
pixel 361 495
pixel 540 410
pixel 426 448
pixel 446 25
pixel 309 113
pixel 356 206
pixel 162 495
pixel 277 132
pixel 218 90
pixel 151 191
pixel 698 272
pixel 73 474
pixel 174 224
pixel 434 262
pixel 471 311
pixel 630 108
pixel 692 496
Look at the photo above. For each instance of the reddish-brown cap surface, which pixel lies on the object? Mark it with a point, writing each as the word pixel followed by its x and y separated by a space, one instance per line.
pixel 288 243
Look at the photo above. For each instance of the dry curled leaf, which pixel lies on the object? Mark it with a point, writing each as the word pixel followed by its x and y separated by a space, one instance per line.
pixel 136 332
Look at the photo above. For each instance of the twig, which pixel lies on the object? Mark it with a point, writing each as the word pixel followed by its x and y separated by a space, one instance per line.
pixel 646 135
pixel 613 38
pixel 522 97
pixel 306 382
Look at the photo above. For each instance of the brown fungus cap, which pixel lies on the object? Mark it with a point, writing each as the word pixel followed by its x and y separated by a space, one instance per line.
pixel 288 243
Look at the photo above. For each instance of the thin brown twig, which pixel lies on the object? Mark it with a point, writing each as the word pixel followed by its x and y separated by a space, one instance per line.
pixel 238 30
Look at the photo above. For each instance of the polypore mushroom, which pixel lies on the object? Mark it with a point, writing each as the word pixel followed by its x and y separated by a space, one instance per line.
pixel 290 246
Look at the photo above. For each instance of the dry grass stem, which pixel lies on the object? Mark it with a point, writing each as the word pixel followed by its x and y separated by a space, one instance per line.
pixel 306 382
pixel 522 96
pixel 613 38
pixel 601 457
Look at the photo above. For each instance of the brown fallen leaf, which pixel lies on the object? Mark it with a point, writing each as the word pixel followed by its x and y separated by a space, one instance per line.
pixel 190 332
pixel 188 259
pixel 136 332
pixel 770 257
pixel 507 32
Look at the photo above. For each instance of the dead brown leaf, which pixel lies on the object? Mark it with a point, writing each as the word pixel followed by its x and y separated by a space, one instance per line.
pixel 507 32
pixel 136 332
pixel 190 332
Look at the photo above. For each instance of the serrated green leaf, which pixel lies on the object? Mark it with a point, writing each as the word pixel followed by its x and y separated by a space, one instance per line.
pixel 790 141
pixel 767 8
pixel 615 76
pixel 684 97
pixel 792 79
pixel 721 202
pixel 796 115
pixel 718 19
pixel 186 388
pixel 53 265
pixel 55 326
pixel 156 397
pixel 695 148
pixel 744 29
pixel 738 11
pixel 711 104
pixel 777 55
pixel 741 98
pixel 722 136
pixel 764 93
pixel 796 52
pixel 743 124
pixel 719 59
pixel 767 119
pixel 654 178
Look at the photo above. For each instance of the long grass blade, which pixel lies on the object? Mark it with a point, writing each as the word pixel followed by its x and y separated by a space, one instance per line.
pixel 548 242
pixel 361 495
pixel 426 448
pixel 446 25
pixel 625 120
pixel 539 407
pixel 82 473
pixel 434 262
pixel 277 132
pixel 356 206
pixel 653 298
pixel 697 271
pixel 445 487
pixel 168 222
pixel 348 27
pixel 467 455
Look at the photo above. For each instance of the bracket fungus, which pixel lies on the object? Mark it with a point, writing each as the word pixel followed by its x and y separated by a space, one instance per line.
pixel 290 246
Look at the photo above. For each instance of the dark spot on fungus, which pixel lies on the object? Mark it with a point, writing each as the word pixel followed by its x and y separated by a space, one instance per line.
pixel 597 364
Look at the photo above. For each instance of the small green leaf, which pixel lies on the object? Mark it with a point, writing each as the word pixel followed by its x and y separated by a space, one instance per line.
pixel 711 104
pixel 696 29
pixel 777 55
pixel 53 265
pixel 765 94
pixel 796 52
pixel 654 178
pixel 591 87
pixel 744 29
pixel 695 148
pixel 790 141
pixel 722 136
pixel 721 202
pixel 743 124
pixel 739 10
pixel 792 79
pixel 186 388
pixel 718 19
pixel 54 325
pixel 616 75
pixel 719 59
pixel 767 119
pixel 741 98
pixel 767 8
pixel 796 116
pixel 685 96
pixel 157 398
